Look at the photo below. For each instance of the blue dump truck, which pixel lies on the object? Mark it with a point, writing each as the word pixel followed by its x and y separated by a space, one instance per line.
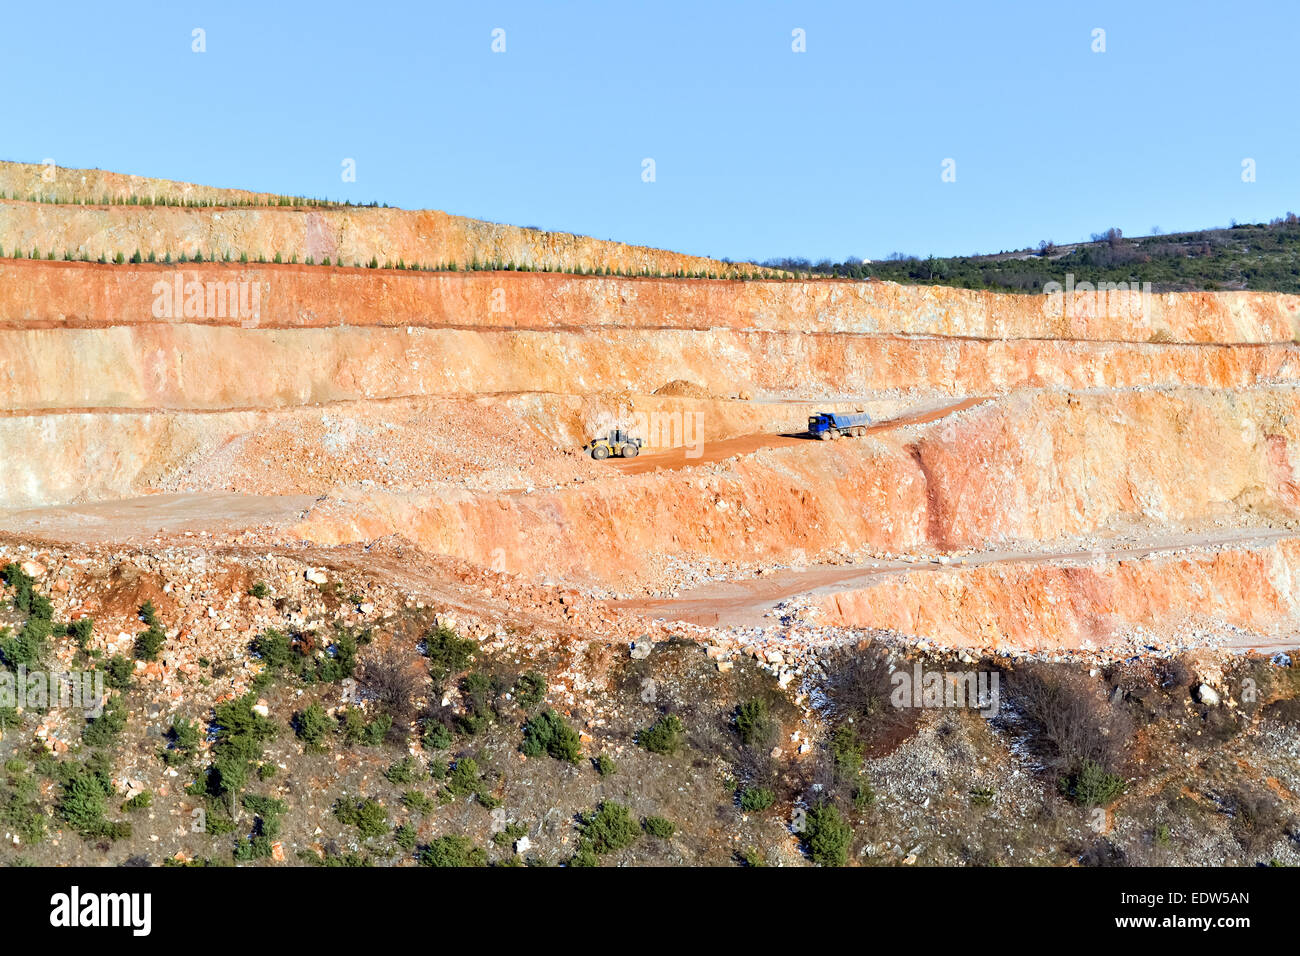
pixel 828 425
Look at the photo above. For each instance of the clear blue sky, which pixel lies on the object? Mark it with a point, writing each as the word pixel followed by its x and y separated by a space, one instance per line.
pixel 759 151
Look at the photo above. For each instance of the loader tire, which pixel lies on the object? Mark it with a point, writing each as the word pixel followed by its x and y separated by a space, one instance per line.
pixel 600 453
pixel 630 450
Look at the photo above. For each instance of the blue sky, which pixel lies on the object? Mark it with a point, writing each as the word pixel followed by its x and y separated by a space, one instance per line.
pixel 759 151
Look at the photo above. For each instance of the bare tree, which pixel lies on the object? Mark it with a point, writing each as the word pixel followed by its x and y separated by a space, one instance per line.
pixel 1068 718
pixel 858 689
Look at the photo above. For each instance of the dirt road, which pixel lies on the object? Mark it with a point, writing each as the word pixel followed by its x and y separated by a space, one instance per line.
pixel 675 459
pixel 747 603
pixel 137 519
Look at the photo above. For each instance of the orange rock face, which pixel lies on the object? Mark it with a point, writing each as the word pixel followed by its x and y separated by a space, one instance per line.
pixel 337 406
pixel 1046 468
pixel 1043 607
pixel 58 294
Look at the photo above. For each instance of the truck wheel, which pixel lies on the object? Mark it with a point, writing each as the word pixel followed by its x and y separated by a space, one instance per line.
pixel 600 452
pixel 630 450
pixel 824 436
pixel 835 433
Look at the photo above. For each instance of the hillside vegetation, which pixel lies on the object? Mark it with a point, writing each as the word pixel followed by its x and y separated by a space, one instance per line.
pixel 1263 257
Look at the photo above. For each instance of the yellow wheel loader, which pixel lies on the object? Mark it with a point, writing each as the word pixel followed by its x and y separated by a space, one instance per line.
pixel 617 444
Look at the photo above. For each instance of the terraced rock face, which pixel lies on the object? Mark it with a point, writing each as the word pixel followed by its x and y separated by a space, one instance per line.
pixel 71 221
pixel 448 408
pixel 1090 600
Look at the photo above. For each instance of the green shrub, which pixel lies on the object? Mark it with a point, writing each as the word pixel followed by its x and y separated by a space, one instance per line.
pixel 359 731
pixel 312 725
pixel 102 731
pixel 83 799
pixel 267 812
pixel 664 736
pixel 149 642
pixel 453 851
pixel 263 806
pixel 368 816
pixel 182 742
pixel 436 736
pixel 827 836
pixel 42 610
pixel 405 770
pixel 479 692
pixel 417 802
pixel 27 648
pixel 22 583
pixel 141 801
pixel 547 733
pixel 464 778
pixel 149 614
pixel 1091 785
pixel 863 796
pixel 756 799
pixel 339 661
pixel 584 857
pixel 608 828
pixel 259 590
pixel 240 735
pixel 21 811
pixel 448 653
pixel 274 647
pixel 530 690
pixel 80 631
pixel 82 802
pixel 404 836
pixel 510 834
pixel 846 751
pixel 754 724
pixel 605 766
pixel 118 671
pixel 659 827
